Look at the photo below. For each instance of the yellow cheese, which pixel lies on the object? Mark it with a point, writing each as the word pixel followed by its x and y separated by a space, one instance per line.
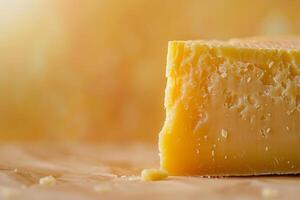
pixel 153 175
pixel 47 180
pixel 232 108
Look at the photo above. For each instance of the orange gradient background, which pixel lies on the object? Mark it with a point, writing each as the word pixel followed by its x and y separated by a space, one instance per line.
pixel 94 70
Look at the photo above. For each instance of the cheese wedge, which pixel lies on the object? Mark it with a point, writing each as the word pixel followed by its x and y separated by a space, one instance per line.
pixel 232 108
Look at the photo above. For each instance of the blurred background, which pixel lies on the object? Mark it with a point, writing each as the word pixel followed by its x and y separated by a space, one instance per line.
pixel 94 70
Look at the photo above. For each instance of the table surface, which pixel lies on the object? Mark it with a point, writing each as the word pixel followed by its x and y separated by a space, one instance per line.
pixel 84 171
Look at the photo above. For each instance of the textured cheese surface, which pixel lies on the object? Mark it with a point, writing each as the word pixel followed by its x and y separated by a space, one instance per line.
pixel 232 108
pixel 275 43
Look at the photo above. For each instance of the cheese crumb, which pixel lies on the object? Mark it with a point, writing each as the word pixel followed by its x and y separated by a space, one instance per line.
pixel 47 180
pixel 153 175
pixel 224 133
pixel 269 193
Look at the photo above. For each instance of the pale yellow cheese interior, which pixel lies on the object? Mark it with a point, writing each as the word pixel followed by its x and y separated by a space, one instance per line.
pixel 232 108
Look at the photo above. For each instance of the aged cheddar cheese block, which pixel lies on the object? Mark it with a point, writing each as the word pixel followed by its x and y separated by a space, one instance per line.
pixel 232 108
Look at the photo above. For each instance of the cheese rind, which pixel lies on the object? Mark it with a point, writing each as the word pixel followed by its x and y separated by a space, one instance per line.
pixel 232 108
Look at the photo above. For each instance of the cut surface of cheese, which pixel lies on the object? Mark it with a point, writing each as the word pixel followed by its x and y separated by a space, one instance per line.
pixel 232 107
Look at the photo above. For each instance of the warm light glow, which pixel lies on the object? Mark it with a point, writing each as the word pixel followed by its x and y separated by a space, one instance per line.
pixel 14 11
pixel 95 69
